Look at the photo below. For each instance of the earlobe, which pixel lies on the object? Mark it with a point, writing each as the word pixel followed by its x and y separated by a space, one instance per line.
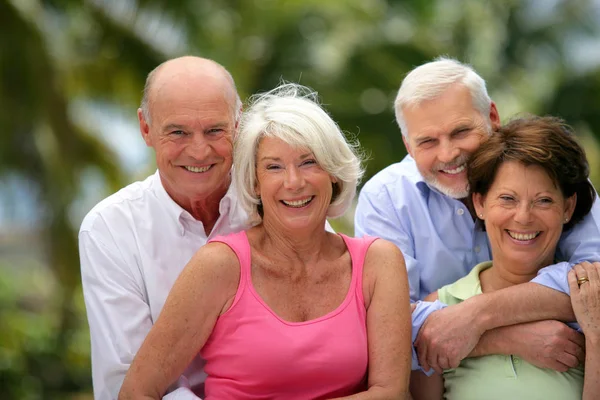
pixel 257 189
pixel 407 145
pixel 570 204
pixel 494 117
pixel 144 128
pixel 478 204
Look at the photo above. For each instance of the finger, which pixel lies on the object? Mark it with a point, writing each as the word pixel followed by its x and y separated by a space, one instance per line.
pixel 576 339
pixel 576 351
pixel 435 364
pixel 580 269
pixel 568 360
pixel 579 353
pixel 558 366
pixel 432 361
pixel 422 354
pixel 572 278
pixel 443 363
pixel 453 363
pixel 592 271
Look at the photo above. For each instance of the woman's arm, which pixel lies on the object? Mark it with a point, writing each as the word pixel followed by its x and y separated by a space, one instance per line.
pixel 202 292
pixel 385 286
pixel 586 306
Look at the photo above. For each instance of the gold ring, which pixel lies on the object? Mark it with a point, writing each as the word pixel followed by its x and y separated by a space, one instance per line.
pixel 582 280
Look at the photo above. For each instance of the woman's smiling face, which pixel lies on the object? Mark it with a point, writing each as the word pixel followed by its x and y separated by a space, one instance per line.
pixel 524 212
pixel 295 191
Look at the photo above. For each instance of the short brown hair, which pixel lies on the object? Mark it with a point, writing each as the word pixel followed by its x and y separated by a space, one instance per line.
pixel 547 142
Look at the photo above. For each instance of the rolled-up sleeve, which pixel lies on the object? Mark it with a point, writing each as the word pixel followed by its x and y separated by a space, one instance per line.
pixel 554 277
pixel 419 315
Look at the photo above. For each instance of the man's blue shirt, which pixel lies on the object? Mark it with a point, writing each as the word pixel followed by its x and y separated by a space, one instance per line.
pixel 439 238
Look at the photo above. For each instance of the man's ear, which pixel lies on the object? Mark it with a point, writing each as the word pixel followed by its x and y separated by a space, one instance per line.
pixel 494 117
pixel 407 145
pixel 239 117
pixel 144 128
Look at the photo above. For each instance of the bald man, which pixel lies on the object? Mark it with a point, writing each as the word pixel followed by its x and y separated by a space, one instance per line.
pixel 134 243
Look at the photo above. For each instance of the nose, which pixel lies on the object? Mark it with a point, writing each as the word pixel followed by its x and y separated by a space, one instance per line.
pixel 448 152
pixel 199 146
pixel 294 179
pixel 523 213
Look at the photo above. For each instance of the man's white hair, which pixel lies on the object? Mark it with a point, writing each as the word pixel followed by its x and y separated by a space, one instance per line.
pixel 430 80
pixel 291 113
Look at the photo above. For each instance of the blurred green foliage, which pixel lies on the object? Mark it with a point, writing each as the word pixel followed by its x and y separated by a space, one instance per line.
pixel 537 56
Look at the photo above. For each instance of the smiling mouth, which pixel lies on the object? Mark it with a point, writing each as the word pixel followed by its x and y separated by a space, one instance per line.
pixel 298 203
pixel 523 236
pixel 456 170
pixel 197 169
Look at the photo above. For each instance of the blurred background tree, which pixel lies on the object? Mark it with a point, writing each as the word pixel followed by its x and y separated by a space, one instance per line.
pixel 71 75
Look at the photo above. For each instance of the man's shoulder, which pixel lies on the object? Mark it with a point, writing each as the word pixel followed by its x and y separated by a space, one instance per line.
pixel 118 205
pixel 397 179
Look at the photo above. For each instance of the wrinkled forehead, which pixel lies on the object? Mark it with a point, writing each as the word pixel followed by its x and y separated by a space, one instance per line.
pixel 181 87
pixel 533 177
pixel 435 119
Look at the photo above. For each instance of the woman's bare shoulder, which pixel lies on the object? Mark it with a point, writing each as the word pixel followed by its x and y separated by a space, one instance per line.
pixel 215 262
pixel 383 250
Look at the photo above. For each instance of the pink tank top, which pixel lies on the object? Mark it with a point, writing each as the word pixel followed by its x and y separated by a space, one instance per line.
pixel 254 354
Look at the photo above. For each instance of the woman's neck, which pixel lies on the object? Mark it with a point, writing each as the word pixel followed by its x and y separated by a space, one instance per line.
pixel 498 277
pixel 303 246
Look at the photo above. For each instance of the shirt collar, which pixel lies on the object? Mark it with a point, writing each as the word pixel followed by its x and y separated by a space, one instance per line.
pixel 470 285
pixel 416 176
pixel 174 210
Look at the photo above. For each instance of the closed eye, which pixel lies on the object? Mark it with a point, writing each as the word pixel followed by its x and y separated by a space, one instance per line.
pixel 215 130
pixel 461 132
pixel 426 143
pixel 507 198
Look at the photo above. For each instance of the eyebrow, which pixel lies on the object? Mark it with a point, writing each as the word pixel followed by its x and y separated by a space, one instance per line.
pixel 542 193
pixel 221 124
pixel 179 127
pixel 267 158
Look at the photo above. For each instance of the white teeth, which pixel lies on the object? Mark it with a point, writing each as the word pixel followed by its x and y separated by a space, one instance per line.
pixel 197 169
pixel 456 170
pixel 523 236
pixel 297 203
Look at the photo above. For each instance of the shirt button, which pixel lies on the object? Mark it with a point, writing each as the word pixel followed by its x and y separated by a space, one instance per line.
pixel 477 249
pixel 516 360
pixel 460 211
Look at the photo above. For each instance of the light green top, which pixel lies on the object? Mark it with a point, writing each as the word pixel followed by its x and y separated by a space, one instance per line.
pixel 498 376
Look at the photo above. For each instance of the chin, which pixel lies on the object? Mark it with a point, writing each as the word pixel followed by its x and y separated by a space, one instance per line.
pixel 454 192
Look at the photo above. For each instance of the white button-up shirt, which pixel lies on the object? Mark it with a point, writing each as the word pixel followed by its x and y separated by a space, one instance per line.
pixel 133 245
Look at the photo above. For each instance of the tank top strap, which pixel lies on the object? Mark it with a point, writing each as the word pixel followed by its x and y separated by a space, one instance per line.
pixel 238 242
pixel 358 248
